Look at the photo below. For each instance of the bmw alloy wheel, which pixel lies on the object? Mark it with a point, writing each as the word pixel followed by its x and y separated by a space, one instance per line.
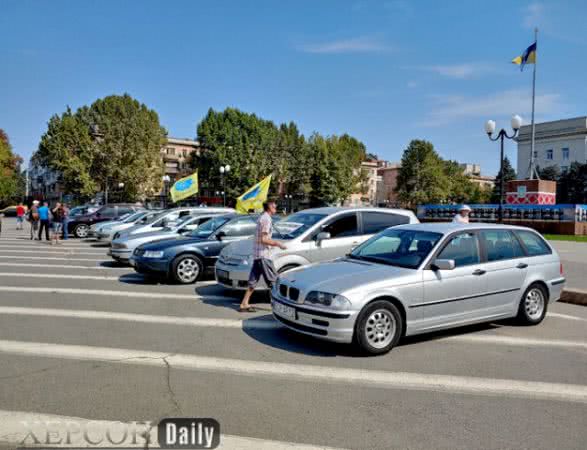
pixel 534 303
pixel 380 328
pixel 81 231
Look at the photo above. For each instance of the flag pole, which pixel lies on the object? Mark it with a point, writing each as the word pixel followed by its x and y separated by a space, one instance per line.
pixel 532 168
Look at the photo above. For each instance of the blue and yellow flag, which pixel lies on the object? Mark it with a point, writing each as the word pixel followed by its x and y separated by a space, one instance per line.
pixel 528 57
pixel 185 187
pixel 253 199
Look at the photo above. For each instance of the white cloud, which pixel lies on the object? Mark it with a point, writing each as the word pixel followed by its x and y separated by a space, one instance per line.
pixel 451 108
pixel 460 71
pixel 361 44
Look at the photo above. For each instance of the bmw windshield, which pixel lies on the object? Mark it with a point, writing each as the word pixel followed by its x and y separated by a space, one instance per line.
pixel 207 228
pixel 397 247
pixel 295 225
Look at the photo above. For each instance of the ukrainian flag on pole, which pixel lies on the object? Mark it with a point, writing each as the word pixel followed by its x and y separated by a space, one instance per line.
pixel 528 57
pixel 185 187
pixel 253 199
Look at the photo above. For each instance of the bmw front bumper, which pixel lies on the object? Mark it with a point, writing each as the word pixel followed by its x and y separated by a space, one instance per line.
pixel 335 326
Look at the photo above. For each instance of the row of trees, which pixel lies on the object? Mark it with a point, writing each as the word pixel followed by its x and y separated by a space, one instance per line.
pixel 323 169
pixel 571 185
pixel 12 183
pixel 424 177
pixel 114 140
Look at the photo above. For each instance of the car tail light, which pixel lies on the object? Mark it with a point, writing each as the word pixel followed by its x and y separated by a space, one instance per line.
pixel 561 269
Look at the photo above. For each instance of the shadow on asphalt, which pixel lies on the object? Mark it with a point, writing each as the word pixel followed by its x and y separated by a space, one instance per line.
pixel 100 245
pixel 114 264
pixel 137 278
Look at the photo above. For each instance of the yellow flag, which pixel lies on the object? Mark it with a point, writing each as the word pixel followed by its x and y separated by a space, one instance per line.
pixel 253 199
pixel 185 187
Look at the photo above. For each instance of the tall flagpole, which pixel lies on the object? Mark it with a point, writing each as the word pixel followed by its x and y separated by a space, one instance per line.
pixel 532 168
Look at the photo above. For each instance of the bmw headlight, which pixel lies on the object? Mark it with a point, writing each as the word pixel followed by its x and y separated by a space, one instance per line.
pixel 334 301
pixel 153 254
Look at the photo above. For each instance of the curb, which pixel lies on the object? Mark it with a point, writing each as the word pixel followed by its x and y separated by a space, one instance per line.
pixel 574 296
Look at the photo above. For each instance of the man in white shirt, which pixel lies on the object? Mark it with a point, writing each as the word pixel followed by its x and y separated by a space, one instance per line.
pixel 463 215
pixel 262 264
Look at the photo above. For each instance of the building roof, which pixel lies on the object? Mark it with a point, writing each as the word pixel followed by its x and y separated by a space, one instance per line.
pixel 183 141
pixel 555 128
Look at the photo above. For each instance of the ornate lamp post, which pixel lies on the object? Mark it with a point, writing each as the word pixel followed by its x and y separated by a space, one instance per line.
pixel 166 180
pixel 516 123
pixel 224 171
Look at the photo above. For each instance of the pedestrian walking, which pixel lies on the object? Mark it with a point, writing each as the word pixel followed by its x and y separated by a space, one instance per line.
pixel 65 221
pixel 463 214
pixel 56 223
pixel 262 264
pixel 34 219
pixel 44 213
pixel 20 213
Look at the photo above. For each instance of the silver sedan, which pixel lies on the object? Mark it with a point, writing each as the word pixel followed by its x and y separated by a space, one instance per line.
pixel 415 279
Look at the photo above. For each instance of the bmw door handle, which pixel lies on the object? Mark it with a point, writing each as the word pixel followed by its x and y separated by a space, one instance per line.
pixel 521 266
pixel 479 272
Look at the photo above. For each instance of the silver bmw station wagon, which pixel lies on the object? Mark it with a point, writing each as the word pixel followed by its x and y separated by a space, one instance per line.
pixel 414 279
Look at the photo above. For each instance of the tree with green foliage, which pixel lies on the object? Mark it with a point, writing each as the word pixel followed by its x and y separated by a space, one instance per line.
pixel 460 188
pixel 549 173
pixel 10 177
pixel 422 177
pixel 114 140
pixel 572 185
pixel 509 174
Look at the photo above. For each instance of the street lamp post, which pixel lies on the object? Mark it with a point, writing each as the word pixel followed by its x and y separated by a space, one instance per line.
pixel 223 172
pixel 166 180
pixel 516 123
pixel 289 199
pixel 120 188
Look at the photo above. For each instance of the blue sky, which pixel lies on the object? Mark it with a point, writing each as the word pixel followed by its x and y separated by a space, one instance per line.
pixel 384 71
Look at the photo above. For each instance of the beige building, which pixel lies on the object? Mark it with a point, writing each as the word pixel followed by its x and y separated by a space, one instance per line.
pixel 176 156
pixel 369 195
pixel 386 195
pixel 473 173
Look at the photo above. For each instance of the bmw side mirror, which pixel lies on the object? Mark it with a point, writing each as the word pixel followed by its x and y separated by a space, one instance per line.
pixel 322 236
pixel 220 235
pixel 443 264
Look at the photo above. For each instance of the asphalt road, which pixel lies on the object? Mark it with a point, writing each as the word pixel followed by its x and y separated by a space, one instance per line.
pixel 574 258
pixel 83 338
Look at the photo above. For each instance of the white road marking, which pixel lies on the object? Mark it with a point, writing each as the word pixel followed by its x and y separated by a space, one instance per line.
pixel 37 244
pixel 130 276
pixel 567 316
pixel 142 318
pixel 515 341
pixel 55 258
pixel 104 293
pixel 301 372
pixel 15 427
pixel 54 251
pixel 62 266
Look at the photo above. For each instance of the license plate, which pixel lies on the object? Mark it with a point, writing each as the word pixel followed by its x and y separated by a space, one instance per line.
pixel 222 274
pixel 284 310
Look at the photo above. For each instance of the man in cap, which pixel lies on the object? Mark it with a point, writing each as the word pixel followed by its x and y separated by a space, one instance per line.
pixel 463 215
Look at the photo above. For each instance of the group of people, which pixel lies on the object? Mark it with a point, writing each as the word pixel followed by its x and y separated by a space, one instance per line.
pixel 52 222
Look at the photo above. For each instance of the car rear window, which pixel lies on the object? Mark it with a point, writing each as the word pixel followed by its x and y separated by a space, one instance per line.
pixel 374 222
pixel 534 244
pixel 500 245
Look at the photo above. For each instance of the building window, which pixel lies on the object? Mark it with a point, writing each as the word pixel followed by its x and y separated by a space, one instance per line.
pixel 171 151
pixel 549 154
pixel 564 169
pixel 565 153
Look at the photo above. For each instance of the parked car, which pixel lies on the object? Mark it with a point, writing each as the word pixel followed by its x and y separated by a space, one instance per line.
pixel 415 279
pixel 311 236
pixel 79 226
pixel 83 210
pixel 106 233
pixel 168 217
pixel 9 211
pixel 187 259
pixel 123 248
pixel 97 227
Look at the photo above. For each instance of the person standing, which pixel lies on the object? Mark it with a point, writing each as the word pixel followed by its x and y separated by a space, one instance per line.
pixel 44 218
pixel 65 221
pixel 463 215
pixel 56 223
pixel 33 218
pixel 262 264
pixel 20 212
